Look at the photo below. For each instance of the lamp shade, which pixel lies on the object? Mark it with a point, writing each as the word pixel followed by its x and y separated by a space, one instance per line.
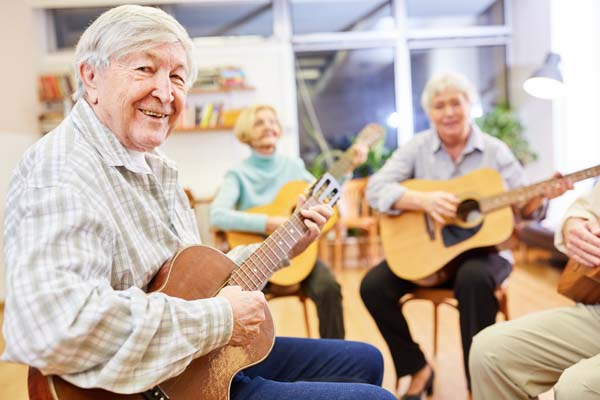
pixel 546 82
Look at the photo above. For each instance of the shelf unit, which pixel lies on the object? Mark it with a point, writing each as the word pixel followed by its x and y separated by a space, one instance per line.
pixel 226 101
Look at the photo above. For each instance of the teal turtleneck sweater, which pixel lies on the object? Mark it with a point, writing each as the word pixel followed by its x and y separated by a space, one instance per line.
pixel 254 182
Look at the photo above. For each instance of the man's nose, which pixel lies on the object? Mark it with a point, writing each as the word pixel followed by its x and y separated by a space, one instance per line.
pixel 163 88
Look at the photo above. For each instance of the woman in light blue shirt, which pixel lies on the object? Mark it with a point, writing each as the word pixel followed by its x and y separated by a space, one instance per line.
pixel 256 181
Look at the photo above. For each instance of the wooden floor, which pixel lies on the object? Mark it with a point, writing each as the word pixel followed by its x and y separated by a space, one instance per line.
pixel 532 288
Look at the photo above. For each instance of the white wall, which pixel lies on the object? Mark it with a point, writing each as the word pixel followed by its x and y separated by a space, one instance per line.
pixel 18 119
pixel 531 41
pixel 566 132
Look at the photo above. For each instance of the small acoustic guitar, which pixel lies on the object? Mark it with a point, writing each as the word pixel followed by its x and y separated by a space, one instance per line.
pixel 285 202
pixel 417 248
pixel 580 283
pixel 199 272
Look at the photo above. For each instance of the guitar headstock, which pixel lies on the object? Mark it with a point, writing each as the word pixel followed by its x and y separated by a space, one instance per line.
pixel 326 190
pixel 370 134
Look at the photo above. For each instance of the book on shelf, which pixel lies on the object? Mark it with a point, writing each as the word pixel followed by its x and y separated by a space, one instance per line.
pixel 53 87
pixel 220 78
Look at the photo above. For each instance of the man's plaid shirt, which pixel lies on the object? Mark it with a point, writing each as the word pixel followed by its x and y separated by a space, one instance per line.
pixel 84 233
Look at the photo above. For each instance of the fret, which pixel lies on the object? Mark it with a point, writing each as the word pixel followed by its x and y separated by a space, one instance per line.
pixel 271 245
pixel 264 250
pixel 279 243
pixel 280 240
pixel 241 281
pixel 257 268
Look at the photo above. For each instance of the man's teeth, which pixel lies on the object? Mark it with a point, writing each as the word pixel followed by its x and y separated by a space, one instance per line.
pixel 153 114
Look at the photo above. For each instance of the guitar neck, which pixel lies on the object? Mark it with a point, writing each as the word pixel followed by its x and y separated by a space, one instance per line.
pixel 256 270
pixel 526 193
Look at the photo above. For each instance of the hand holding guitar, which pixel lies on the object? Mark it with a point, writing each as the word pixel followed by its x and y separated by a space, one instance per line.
pixel 315 218
pixel 582 239
pixel 555 187
pixel 248 313
pixel 359 154
pixel 438 204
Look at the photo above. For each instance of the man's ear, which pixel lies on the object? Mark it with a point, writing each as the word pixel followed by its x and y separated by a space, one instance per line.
pixel 89 77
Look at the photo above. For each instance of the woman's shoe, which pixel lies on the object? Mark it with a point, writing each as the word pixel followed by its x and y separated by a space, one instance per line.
pixel 427 389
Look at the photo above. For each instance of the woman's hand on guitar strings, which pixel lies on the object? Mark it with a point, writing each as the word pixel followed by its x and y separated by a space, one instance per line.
pixel 314 218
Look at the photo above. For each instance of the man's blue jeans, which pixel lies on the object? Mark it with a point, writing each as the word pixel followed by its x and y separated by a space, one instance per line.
pixel 327 369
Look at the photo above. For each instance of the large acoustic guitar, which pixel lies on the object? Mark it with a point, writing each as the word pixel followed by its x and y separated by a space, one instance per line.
pixel 199 272
pixel 285 202
pixel 580 283
pixel 417 247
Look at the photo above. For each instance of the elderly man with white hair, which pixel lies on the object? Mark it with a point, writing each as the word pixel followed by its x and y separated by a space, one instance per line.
pixel 93 212
pixel 452 147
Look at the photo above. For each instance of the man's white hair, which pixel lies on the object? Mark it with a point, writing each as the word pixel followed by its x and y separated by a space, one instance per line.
pixel 126 29
pixel 443 81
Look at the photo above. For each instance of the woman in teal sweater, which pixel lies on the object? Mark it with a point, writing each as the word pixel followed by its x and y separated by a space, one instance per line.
pixel 256 181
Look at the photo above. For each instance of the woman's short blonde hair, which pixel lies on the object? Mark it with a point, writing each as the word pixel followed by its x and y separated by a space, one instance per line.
pixel 247 118
pixel 447 80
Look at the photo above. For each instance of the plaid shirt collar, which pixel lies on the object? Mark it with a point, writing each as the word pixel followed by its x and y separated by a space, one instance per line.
pixel 109 147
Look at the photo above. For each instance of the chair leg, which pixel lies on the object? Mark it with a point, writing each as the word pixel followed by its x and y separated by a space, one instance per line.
pixel 504 307
pixel 338 253
pixel 435 329
pixel 306 321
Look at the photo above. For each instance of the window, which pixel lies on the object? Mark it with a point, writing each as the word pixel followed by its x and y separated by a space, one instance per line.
pixel 341 16
pixel 346 89
pixel 455 14
pixel 200 19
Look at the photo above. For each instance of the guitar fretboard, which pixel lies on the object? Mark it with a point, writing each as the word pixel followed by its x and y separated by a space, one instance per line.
pixel 256 270
pixel 526 193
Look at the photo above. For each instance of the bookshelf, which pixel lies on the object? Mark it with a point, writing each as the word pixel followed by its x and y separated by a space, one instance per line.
pixel 55 92
pixel 215 100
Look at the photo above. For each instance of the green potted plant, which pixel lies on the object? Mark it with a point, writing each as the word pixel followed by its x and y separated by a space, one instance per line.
pixel 503 123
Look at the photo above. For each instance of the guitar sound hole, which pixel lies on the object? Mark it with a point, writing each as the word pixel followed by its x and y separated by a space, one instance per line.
pixel 468 211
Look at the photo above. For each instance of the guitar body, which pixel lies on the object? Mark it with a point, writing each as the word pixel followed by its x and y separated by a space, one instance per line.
pixel 196 272
pixel 580 283
pixel 415 253
pixel 283 205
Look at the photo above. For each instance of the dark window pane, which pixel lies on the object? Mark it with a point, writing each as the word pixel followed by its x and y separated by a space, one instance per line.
pixel 484 66
pixel 69 23
pixel 341 16
pixel 249 18
pixel 346 89
pixel 440 14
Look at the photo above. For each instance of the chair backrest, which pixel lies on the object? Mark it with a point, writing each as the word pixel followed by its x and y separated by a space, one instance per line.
pixel 353 203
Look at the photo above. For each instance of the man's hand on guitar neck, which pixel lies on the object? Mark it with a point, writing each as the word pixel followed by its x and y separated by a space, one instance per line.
pixel 554 188
pixel 248 313
pixel 582 239
pixel 314 218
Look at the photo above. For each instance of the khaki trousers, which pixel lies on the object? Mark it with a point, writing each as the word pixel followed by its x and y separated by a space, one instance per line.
pixel 522 358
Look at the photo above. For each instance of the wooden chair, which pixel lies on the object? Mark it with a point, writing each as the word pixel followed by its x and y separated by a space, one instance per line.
pixel 274 291
pixel 440 296
pixel 356 213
